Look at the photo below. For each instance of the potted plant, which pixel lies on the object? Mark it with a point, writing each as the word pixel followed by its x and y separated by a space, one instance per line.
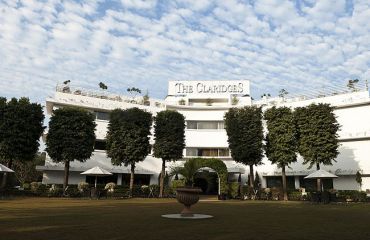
pixel 187 195
pixel 182 101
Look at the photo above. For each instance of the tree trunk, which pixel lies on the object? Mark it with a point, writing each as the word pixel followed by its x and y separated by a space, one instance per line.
pixel 161 183
pixel 5 175
pixel 132 178
pixel 66 174
pixel 251 176
pixel 318 180
pixel 284 183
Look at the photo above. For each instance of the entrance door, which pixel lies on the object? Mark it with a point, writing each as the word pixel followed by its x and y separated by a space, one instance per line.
pixel 207 181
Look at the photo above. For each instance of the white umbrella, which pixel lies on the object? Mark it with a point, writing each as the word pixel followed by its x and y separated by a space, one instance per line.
pixel 96 171
pixel 321 174
pixel 5 169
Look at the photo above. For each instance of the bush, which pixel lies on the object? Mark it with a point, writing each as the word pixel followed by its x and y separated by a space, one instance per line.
pixel 295 196
pixel 356 196
pixel 110 186
pixel 234 190
pixel 178 183
pixel 26 186
pixel 35 186
pixel 276 193
pixel 83 187
pixel 73 191
pixel 39 189
pixel 247 192
pixel 55 191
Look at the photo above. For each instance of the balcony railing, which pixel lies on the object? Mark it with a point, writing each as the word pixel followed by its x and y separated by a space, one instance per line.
pixel 110 96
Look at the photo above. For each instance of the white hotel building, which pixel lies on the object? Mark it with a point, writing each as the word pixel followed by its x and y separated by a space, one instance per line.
pixel 204 103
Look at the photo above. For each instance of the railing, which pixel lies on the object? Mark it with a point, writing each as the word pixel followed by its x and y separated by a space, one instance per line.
pixel 330 91
pixel 351 135
pixel 109 96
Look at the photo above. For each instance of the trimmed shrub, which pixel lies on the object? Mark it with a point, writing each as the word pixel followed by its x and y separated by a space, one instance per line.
pixel 234 190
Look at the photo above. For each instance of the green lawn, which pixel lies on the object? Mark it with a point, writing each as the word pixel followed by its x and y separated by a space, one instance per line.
pixel 43 218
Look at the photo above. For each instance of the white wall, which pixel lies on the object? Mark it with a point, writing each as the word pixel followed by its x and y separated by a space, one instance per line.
pixel 57 177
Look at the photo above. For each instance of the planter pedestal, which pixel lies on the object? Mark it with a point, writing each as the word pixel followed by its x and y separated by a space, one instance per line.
pixel 187 197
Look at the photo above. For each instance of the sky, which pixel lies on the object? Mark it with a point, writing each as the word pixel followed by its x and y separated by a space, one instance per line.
pixel 295 45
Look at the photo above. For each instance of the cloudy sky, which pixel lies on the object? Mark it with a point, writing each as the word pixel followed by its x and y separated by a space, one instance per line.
pixel 296 45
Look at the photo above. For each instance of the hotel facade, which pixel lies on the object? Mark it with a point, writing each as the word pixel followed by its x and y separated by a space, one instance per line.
pixel 204 103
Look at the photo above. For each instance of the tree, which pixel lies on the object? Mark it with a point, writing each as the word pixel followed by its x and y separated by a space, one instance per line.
pixel 245 135
pixel 26 172
pixel 317 134
pixel 352 84
pixel 133 92
pixel 188 171
pixel 169 133
pixel 359 178
pixel 283 93
pixel 21 126
pixel 71 137
pixel 280 141
pixel 128 138
pixel 103 86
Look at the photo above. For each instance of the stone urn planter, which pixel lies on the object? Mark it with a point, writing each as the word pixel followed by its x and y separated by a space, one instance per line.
pixel 187 196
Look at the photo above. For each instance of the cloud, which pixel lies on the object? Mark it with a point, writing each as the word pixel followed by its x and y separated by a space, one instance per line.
pixel 276 44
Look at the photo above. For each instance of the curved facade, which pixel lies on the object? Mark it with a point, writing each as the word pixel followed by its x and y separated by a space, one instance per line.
pixel 204 103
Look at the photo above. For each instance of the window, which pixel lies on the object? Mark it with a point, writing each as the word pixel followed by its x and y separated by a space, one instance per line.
pixel 276 181
pixel 100 145
pixel 223 152
pixel 102 116
pixel 191 152
pixel 207 152
pixel 205 125
pixel 191 125
pixel 204 152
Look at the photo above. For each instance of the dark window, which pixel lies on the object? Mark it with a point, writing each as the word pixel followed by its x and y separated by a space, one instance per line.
pixel 102 116
pixel 276 181
pixel 100 145
pixel 140 179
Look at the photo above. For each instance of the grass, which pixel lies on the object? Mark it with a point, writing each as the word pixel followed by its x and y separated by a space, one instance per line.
pixel 43 218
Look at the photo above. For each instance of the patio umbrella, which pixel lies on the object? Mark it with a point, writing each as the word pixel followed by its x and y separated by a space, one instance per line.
pixel 321 174
pixel 97 172
pixel 4 169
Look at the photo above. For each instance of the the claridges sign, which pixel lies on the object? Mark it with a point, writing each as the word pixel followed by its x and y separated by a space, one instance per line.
pixel 208 88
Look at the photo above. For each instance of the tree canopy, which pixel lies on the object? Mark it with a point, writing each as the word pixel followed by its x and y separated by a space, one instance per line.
pixel 71 136
pixel 317 129
pixel 169 134
pixel 21 126
pixel 245 135
pixel 128 136
pixel 281 142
